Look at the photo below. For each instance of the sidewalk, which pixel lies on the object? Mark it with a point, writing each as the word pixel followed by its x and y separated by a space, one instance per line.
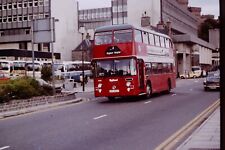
pixel 205 137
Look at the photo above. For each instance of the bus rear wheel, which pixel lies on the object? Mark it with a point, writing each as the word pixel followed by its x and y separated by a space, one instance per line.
pixel 148 90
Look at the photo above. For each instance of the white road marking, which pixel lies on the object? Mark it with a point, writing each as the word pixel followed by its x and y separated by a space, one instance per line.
pixel 5 147
pixel 191 89
pixel 173 94
pixel 102 116
pixel 196 81
pixel 148 102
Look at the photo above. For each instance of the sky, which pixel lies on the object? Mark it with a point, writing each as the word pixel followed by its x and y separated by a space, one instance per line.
pixel 208 6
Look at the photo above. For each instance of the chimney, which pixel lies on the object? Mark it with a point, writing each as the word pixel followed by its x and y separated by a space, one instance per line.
pixel 183 2
pixel 195 11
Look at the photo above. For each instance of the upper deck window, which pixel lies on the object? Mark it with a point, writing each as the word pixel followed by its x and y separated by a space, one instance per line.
pixel 122 36
pixel 138 36
pixel 103 38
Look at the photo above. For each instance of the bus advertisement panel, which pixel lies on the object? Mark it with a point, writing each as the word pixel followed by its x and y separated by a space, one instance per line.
pixel 130 61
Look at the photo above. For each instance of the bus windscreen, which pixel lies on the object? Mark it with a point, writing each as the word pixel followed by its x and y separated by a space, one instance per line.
pixel 119 67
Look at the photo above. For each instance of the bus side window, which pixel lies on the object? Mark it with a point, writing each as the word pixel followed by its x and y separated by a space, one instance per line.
pixel 160 68
pixel 157 42
pixel 154 68
pixel 167 43
pixel 145 37
pixel 165 68
pixel 151 39
pixel 162 41
pixel 148 68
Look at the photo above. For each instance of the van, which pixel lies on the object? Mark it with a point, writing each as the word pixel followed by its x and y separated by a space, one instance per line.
pixel 196 72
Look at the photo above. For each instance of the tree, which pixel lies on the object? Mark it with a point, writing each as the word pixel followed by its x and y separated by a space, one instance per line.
pixel 46 73
pixel 203 32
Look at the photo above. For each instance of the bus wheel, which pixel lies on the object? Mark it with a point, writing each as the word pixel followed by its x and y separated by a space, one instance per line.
pixel 111 98
pixel 148 90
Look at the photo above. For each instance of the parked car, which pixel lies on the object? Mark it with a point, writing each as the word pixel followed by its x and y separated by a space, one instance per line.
pixel 58 87
pixel 212 81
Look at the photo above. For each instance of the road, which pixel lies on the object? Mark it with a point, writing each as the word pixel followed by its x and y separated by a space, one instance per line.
pixel 99 124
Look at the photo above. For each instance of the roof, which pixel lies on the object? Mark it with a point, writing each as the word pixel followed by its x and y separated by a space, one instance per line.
pixel 192 39
pixel 84 45
pixel 125 27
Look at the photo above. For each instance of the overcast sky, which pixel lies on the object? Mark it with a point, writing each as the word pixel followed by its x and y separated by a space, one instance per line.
pixel 208 6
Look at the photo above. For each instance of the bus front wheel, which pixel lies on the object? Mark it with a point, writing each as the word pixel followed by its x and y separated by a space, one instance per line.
pixel 111 98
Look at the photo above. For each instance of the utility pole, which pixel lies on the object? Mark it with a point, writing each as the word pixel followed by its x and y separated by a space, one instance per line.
pixel 82 49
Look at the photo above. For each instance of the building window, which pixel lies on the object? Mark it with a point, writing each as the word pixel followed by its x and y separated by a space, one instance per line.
pixel 14 18
pixel 30 17
pixel 30 4
pixel 4 7
pixel 46 2
pixel 41 16
pixel 46 15
pixel 9 19
pixel 10 6
pixel 20 18
pixel 27 31
pixel 24 4
pixel 4 20
pixel 14 5
pixel 0 20
pixel 0 7
pixel 19 5
pixel 35 3
pixel 25 18
pixel 41 3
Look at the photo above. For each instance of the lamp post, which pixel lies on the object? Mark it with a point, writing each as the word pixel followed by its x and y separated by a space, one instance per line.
pixel 82 30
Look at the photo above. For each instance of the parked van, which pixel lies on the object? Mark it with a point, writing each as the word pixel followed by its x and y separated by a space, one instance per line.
pixel 196 72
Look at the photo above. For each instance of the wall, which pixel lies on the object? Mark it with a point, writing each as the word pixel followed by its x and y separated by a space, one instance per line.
pixel 9 46
pixel 67 35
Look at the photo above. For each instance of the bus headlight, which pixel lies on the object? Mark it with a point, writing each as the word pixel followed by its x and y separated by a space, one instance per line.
pixel 99 85
pixel 128 84
pixel 128 89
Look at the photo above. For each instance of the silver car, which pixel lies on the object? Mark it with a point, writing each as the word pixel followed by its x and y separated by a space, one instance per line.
pixel 212 80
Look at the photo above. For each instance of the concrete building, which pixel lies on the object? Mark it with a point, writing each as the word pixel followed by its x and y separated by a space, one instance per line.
pixel 182 20
pixel 92 18
pixel 191 50
pixel 214 38
pixel 15 28
pixel 126 11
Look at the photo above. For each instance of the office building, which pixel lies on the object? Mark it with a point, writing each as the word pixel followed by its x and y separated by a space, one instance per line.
pixel 15 28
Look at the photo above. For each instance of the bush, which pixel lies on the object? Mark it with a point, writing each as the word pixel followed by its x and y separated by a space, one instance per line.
pixel 22 88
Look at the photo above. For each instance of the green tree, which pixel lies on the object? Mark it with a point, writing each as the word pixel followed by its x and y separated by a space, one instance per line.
pixel 203 32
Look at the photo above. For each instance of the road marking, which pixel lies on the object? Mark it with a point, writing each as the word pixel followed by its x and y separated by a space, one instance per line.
pixel 191 89
pixel 173 94
pixel 5 147
pixel 102 116
pixel 148 102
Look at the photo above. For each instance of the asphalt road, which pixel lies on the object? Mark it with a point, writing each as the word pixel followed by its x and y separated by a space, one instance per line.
pixel 99 124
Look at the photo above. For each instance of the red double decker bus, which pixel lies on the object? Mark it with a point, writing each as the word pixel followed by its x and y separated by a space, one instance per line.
pixel 130 61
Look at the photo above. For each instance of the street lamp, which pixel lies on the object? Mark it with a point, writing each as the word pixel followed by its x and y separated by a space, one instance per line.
pixel 82 31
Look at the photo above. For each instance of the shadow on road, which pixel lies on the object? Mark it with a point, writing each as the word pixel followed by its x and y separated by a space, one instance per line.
pixel 135 99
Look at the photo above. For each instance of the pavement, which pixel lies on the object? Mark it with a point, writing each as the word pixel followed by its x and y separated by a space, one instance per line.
pixel 206 136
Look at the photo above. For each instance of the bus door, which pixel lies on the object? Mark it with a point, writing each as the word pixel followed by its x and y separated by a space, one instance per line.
pixel 141 76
